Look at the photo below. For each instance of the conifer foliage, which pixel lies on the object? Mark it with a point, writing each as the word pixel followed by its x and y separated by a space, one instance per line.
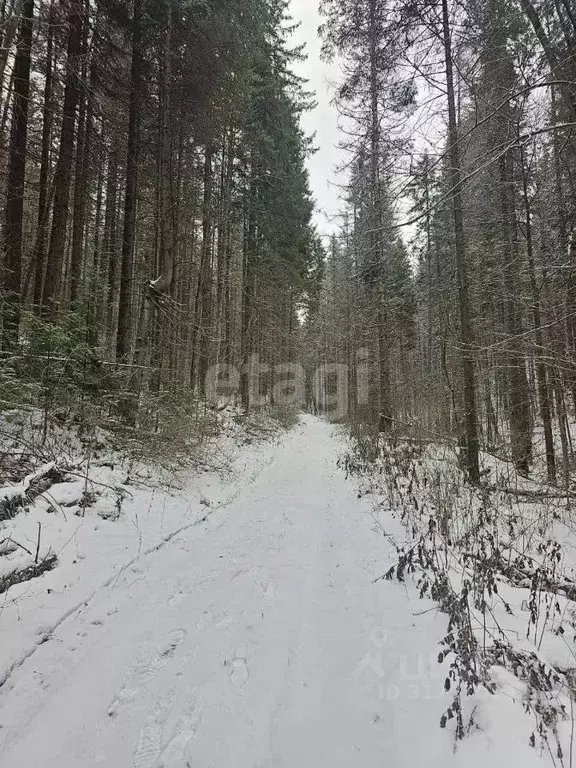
pixel 156 198
pixel 459 224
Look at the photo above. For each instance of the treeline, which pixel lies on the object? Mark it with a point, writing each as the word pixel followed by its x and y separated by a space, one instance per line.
pixel 468 111
pixel 157 211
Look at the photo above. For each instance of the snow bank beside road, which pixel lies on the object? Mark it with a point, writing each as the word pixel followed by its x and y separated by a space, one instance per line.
pixel 95 545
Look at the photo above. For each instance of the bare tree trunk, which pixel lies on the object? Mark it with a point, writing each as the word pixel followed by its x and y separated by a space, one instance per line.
pixel 63 173
pixel 471 441
pixel 107 264
pixel 80 179
pixel 96 241
pixel 377 266
pixel 16 178
pixel 39 256
pixel 248 287
pixel 541 370
pixel 204 293
pixel 519 410
pixel 16 11
pixel 124 337
pixel 224 250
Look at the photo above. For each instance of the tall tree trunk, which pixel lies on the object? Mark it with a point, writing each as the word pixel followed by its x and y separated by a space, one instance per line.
pixel 204 294
pixel 81 175
pixel 544 400
pixel 107 265
pixel 39 256
pixel 248 286
pixel 224 250
pixel 124 337
pixel 166 182
pixel 10 30
pixel 16 178
pixel 378 267
pixel 63 173
pixel 471 441
pixel 519 394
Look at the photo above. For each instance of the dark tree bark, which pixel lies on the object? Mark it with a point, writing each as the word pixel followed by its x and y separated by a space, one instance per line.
pixel 39 256
pixel 81 176
pixel 471 442
pixel 519 394
pixel 543 386
pixel 10 30
pixel 124 336
pixel 204 294
pixel 16 178
pixel 224 233
pixel 377 267
pixel 250 255
pixel 65 164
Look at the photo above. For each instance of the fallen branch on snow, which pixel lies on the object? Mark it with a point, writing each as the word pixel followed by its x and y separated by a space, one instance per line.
pixel 20 575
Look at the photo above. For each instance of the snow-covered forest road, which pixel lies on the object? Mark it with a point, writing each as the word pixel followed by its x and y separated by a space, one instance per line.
pixel 258 639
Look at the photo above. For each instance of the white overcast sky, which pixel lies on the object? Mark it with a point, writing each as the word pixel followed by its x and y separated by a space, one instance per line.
pixel 326 184
pixel 323 120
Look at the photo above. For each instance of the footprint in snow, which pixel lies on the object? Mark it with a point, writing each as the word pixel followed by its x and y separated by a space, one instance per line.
pixel 174 753
pixel 143 671
pixel 270 592
pixel 205 620
pixel 176 637
pixel 239 674
pixel 149 744
pixel 177 599
pixel 226 622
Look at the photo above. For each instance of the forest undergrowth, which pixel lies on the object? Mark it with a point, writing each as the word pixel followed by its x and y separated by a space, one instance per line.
pixel 77 437
pixel 499 560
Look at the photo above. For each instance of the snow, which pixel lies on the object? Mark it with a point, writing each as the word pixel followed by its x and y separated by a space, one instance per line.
pixel 256 638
